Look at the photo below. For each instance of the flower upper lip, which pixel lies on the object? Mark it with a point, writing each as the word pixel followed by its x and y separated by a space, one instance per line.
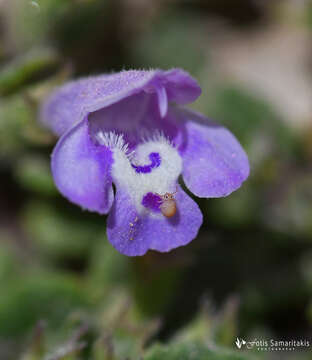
pixel 98 92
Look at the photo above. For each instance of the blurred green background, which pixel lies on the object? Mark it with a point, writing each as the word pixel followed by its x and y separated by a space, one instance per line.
pixel 65 293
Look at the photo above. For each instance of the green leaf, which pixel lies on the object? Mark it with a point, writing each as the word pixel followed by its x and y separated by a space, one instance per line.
pixel 257 126
pixel 26 69
pixel 108 268
pixel 8 260
pixel 15 115
pixel 38 296
pixel 61 232
pixel 33 173
pixel 190 351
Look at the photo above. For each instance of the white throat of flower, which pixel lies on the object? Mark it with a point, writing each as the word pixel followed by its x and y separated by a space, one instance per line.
pixel 160 179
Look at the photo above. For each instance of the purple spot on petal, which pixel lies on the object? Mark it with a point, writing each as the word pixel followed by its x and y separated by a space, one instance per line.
pixel 155 162
pixel 152 201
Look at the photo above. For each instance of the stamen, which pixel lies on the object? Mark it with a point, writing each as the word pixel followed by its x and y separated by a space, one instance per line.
pixel 162 100
pixel 133 228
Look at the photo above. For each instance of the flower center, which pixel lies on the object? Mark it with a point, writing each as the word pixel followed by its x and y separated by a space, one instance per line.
pixel 145 174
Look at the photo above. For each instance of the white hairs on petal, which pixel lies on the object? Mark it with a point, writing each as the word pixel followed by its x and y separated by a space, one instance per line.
pixel 114 141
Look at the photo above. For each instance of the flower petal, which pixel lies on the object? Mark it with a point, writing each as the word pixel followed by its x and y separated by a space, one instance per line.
pixel 214 163
pixel 182 88
pixel 71 103
pixel 133 234
pixel 81 170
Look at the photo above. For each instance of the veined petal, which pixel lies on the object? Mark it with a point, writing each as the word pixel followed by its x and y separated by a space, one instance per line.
pixel 81 170
pixel 214 163
pixel 71 103
pixel 133 233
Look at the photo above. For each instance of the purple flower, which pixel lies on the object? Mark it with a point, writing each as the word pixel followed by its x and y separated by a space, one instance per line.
pixel 131 129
